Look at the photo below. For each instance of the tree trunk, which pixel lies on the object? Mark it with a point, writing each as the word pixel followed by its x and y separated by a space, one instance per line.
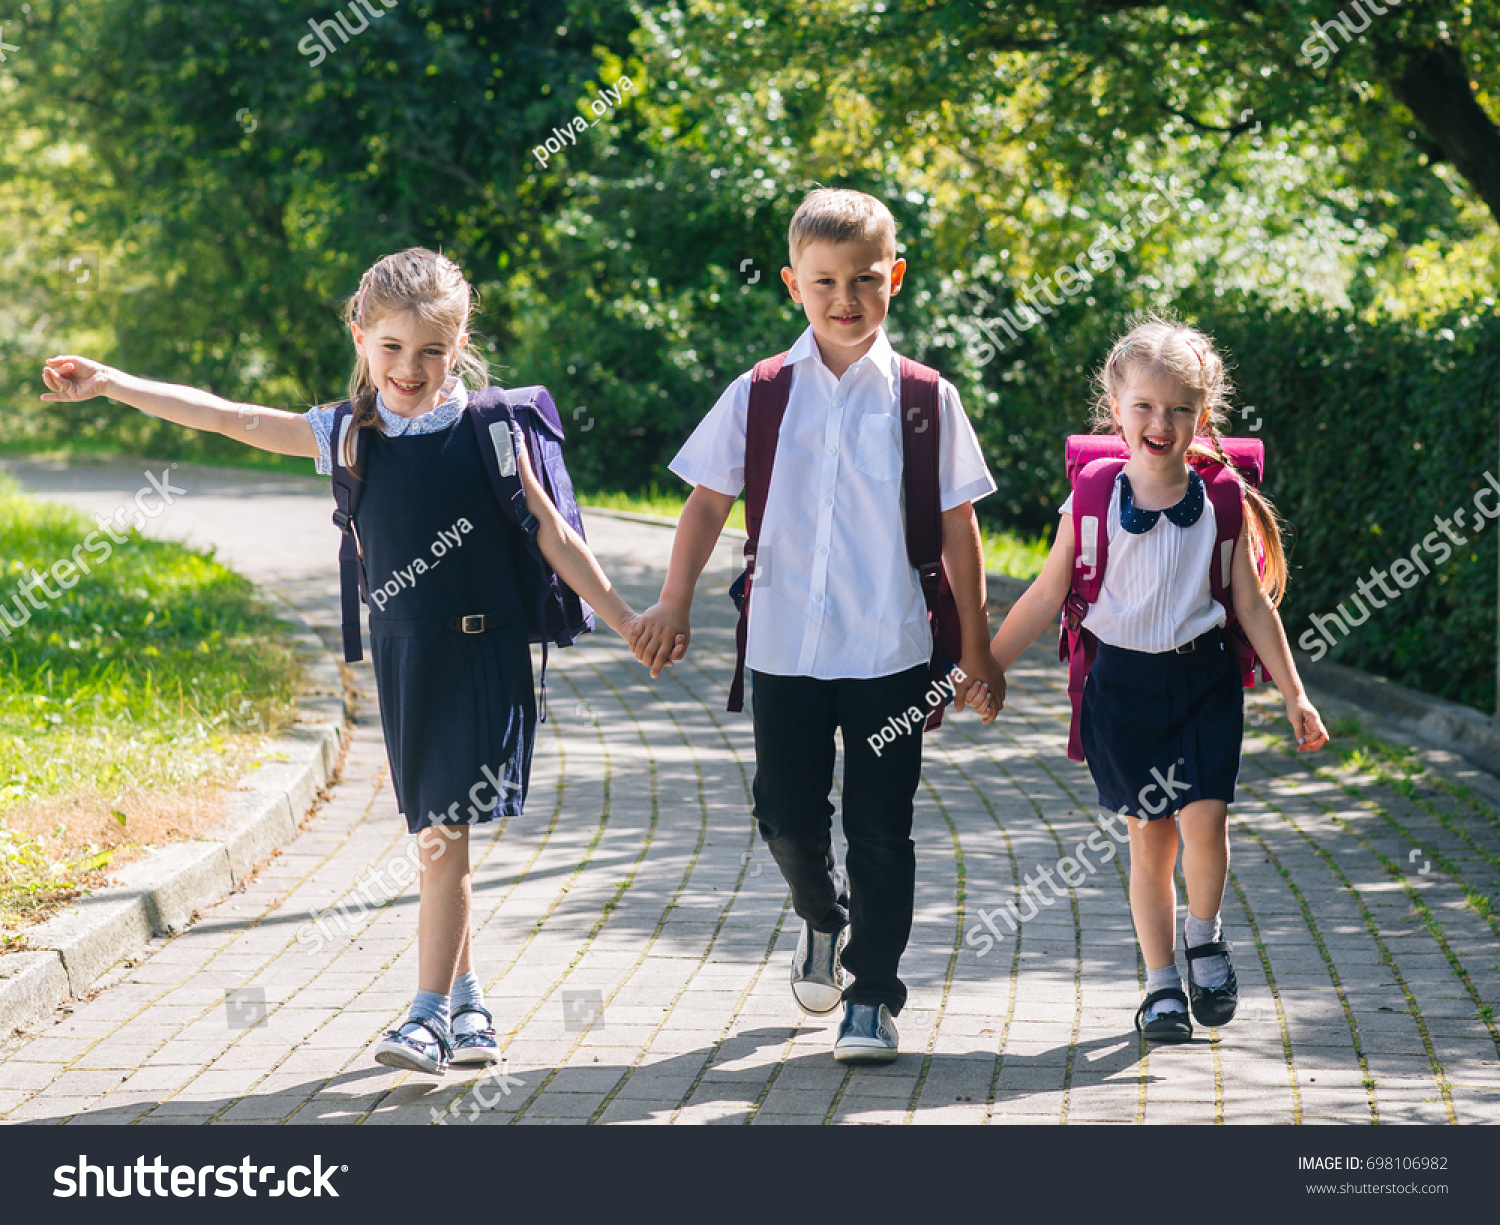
pixel 1433 84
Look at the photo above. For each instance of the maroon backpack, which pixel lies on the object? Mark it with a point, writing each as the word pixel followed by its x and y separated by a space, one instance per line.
pixel 770 387
pixel 1094 460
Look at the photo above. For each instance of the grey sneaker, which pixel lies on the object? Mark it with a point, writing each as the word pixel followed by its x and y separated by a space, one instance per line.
pixel 817 976
pixel 867 1035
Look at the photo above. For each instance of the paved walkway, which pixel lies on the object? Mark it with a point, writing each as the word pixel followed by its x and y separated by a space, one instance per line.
pixel 634 938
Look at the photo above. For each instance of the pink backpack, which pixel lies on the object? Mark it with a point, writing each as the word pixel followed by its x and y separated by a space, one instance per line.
pixel 1094 460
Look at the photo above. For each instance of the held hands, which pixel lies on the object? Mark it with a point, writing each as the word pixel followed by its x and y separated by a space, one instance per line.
pixel 1307 726
pixel 661 637
pixel 984 686
pixel 74 378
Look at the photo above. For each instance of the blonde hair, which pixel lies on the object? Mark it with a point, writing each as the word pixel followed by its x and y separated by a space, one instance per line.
pixel 1188 357
pixel 433 289
pixel 835 214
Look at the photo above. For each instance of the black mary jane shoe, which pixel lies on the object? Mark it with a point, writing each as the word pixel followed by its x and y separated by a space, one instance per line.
pixel 1168 1026
pixel 1213 1005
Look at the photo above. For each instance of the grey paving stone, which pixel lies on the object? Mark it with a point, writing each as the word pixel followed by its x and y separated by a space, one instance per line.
pixel 695 983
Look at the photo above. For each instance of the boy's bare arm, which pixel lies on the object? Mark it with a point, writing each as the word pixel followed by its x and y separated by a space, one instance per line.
pixel 665 626
pixel 963 559
pixel 1040 603
pixel 72 378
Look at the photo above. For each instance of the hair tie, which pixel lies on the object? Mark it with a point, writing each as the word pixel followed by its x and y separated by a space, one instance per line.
pixel 1196 354
pixel 1118 351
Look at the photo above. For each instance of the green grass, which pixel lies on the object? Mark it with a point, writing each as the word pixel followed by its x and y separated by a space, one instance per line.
pixel 158 670
pixel 654 502
pixel 1008 553
pixel 1004 552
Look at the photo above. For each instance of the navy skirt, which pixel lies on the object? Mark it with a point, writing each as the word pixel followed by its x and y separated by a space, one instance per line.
pixel 1163 730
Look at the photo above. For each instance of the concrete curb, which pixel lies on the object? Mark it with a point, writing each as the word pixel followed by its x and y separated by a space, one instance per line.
pixel 635 516
pixel 1447 725
pixel 159 894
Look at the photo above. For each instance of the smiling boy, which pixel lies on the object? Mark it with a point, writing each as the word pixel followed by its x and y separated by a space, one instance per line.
pixel 837 636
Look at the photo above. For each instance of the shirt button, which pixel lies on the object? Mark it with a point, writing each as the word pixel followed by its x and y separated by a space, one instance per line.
pixel 838 402
pixel 833 450
pixel 817 597
pixel 822 550
pixel 827 501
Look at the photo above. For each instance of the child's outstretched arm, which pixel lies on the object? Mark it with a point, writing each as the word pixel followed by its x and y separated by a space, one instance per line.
pixel 1263 627
pixel 73 378
pixel 665 626
pixel 568 554
pixel 983 681
pixel 1040 603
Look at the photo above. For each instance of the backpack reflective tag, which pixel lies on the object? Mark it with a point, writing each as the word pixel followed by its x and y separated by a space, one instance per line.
pixel 1088 556
pixel 340 452
pixel 505 447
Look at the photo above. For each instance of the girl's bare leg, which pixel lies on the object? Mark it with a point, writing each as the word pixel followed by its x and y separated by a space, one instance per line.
pixel 1205 855
pixel 1153 899
pixel 445 906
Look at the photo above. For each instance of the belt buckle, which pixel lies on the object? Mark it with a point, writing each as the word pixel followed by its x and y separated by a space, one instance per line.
pixel 474 620
pixel 1187 648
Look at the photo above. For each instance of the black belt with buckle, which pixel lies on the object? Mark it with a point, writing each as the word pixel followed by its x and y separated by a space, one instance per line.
pixel 1202 640
pixel 475 623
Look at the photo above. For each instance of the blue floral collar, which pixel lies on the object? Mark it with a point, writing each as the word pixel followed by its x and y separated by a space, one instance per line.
pixel 1184 514
pixel 447 411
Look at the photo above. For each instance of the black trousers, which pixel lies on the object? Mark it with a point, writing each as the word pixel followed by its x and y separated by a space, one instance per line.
pixel 795 718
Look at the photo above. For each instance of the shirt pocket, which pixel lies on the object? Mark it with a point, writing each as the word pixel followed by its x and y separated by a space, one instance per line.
pixel 877 449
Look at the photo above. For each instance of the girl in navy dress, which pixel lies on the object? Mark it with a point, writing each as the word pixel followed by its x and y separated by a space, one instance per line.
pixel 457 709
pixel 1165 686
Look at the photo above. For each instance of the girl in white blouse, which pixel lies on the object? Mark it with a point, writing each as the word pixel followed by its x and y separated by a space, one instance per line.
pixel 1163 714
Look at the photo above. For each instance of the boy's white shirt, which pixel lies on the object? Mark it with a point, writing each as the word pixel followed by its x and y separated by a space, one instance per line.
pixel 835 596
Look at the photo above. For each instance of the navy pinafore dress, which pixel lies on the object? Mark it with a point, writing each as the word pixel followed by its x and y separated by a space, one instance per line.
pixel 458 710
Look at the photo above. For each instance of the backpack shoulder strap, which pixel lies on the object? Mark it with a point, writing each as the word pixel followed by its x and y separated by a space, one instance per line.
pixel 346 494
pixel 493 417
pixel 770 389
pixel 1092 490
pixel 921 423
pixel 1227 497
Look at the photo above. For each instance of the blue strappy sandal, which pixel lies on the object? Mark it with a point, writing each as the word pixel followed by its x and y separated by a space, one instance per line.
pixel 405 1047
pixel 479 1046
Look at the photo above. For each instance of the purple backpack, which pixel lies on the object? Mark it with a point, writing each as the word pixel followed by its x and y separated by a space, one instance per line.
pixel 555 613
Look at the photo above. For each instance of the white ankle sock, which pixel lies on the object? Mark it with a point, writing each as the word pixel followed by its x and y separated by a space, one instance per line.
pixel 467 993
pixel 1163 979
pixel 1206 971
